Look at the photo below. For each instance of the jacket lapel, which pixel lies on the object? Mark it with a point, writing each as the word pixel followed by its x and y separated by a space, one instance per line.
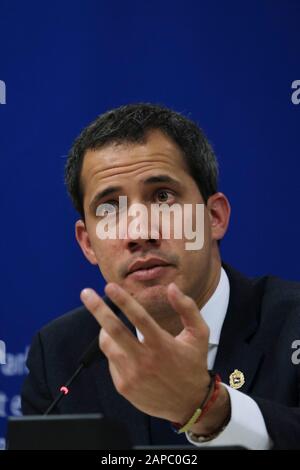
pixel 239 347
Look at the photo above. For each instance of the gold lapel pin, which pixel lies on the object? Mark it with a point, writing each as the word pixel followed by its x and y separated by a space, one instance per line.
pixel 236 379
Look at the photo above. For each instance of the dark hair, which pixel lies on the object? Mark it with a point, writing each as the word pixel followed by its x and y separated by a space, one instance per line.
pixel 131 123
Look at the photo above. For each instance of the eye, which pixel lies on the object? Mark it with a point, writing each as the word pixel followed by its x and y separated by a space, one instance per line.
pixel 164 195
pixel 106 208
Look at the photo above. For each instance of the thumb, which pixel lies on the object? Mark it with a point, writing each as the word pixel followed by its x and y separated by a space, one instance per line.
pixel 188 310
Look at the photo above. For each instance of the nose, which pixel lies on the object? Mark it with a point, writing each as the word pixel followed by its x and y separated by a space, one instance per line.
pixel 142 234
pixel 142 244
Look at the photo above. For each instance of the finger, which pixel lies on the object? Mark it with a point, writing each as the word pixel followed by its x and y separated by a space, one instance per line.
pixel 107 344
pixel 135 313
pixel 109 321
pixel 186 308
pixel 112 350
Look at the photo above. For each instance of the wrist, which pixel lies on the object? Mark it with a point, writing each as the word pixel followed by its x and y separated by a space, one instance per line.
pixel 217 416
pixel 193 404
pixel 211 396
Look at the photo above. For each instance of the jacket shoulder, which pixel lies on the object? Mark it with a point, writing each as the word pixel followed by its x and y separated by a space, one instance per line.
pixel 76 318
pixel 68 335
pixel 279 292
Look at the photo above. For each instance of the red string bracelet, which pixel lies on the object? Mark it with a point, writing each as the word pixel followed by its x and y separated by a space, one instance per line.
pixel 204 407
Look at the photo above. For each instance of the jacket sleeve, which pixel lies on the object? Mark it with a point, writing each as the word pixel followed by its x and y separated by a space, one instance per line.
pixel 282 423
pixel 35 394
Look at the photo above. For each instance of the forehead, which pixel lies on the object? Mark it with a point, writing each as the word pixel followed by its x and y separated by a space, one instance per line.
pixel 124 163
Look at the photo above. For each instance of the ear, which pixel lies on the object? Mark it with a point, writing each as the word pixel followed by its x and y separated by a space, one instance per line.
pixel 83 239
pixel 219 213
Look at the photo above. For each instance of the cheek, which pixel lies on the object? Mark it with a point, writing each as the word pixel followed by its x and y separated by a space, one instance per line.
pixel 107 252
pixel 192 261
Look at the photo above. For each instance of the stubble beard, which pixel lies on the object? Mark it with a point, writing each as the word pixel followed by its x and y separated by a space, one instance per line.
pixel 155 301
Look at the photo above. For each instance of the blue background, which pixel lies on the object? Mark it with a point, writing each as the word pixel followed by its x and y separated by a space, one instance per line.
pixel 227 64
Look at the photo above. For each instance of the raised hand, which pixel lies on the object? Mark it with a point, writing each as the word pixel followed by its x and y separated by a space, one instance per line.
pixel 163 376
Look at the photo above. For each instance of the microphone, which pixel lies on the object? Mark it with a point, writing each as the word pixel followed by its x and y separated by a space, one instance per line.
pixel 85 360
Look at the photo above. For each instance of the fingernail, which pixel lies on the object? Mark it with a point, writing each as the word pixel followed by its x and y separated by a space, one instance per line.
pixel 112 289
pixel 87 295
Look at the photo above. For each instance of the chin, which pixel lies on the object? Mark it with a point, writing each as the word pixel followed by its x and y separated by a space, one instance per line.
pixel 154 299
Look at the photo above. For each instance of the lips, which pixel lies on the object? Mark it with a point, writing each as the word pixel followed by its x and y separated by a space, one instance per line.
pixel 141 265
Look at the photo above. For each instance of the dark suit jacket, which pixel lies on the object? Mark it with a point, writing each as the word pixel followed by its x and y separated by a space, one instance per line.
pixel 262 321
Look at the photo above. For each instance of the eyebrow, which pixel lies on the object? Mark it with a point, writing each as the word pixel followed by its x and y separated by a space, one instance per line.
pixel 148 181
pixel 161 179
pixel 104 193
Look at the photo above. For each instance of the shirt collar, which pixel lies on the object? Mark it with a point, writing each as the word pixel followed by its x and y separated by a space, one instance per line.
pixel 214 311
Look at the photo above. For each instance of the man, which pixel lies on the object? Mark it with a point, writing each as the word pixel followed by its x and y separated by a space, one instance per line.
pixel 171 314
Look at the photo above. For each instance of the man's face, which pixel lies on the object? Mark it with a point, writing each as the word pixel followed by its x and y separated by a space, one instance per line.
pixel 128 170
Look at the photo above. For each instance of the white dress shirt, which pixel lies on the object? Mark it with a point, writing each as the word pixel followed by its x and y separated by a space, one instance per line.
pixel 246 426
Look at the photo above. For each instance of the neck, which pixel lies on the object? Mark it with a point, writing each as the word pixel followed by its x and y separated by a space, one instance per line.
pixel 211 286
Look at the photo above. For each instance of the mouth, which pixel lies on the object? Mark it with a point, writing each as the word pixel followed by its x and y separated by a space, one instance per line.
pixel 147 270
